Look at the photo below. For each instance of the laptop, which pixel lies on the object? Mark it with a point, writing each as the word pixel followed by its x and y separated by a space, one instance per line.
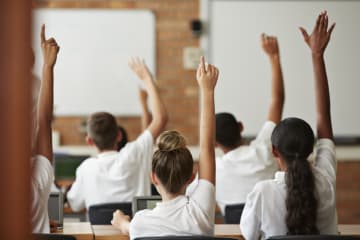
pixel 56 209
pixel 144 202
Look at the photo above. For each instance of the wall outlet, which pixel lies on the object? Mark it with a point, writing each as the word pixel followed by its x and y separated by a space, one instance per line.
pixel 191 57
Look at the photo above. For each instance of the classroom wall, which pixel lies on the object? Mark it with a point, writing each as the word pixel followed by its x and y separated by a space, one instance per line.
pixel 178 86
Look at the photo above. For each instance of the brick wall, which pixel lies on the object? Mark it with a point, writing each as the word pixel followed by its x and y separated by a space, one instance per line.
pixel 178 86
pixel 348 192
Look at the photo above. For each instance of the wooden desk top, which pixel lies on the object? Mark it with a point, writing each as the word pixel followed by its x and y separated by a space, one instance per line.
pixel 80 230
pixel 349 229
pixel 108 232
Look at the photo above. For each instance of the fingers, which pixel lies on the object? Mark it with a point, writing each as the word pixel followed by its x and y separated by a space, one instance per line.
pixel 202 65
pixel 42 35
pixel 326 22
pixel 317 23
pixel 304 33
pixel 331 29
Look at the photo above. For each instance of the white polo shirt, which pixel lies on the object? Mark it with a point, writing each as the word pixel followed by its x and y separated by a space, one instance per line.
pixel 265 210
pixel 185 215
pixel 244 167
pixel 41 181
pixel 114 176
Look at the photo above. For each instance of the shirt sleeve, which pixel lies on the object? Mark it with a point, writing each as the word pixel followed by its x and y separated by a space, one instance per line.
pixel 43 173
pixel 325 158
pixel 142 148
pixel 204 196
pixel 250 223
pixel 262 143
pixel 75 196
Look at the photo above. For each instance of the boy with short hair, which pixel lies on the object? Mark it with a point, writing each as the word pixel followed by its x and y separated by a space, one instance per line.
pixel 114 176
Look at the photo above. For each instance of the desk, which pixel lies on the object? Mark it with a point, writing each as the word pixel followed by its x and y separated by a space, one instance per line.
pixel 349 229
pixel 80 230
pixel 108 232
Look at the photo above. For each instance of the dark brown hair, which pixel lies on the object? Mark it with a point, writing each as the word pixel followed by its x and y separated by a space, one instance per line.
pixel 294 139
pixel 172 161
pixel 102 129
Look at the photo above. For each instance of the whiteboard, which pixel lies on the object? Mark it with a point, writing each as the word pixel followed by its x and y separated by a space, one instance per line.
pixel 245 73
pixel 91 73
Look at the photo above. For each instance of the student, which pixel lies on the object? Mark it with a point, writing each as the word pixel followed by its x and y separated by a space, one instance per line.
pixel 114 176
pixel 242 164
pixel 301 199
pixel 172 168
pixel 42 171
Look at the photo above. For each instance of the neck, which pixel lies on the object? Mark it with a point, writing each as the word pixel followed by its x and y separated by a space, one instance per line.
pixel 170 196
pixel 228 149
pixel 105 150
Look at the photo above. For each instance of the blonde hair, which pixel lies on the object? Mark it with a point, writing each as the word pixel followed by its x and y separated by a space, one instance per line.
pixel 172 161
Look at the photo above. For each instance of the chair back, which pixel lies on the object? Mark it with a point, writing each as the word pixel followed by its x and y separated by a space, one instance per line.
pixel 101 214
pixel 184 238
pixel 51 236
pixel 233 213
pixel 314 237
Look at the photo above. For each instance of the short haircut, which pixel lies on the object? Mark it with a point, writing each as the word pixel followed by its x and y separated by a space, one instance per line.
pixel 227 130
pixel 172 162
pixel 102 129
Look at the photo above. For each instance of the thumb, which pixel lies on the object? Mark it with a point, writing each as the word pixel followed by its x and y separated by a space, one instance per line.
pixel 304 33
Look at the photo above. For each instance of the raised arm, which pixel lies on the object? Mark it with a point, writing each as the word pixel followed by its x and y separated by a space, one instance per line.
pixel 207 79
pixel 317 42
pixel 145 116
pixel 50 50
pixel 271 48
pixel 159 112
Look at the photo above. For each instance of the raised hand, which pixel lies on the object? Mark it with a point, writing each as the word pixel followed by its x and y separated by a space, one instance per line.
pixel 138 66
pixel 270 45
pixel 319 38
pixel 207 76
pixel 49 48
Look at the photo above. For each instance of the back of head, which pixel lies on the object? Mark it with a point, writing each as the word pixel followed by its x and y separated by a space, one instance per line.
pixel 102 129
pixel 294 140
pixel 227 130
pixel 172 161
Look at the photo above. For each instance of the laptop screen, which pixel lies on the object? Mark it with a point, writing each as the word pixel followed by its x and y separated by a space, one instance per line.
pixel 147 202
pixel 56 208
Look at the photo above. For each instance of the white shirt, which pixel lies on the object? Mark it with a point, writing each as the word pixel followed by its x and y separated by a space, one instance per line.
pixel 184 215
pixel 243 167
pixel 265 210
pixel 41 180
pixel 114 176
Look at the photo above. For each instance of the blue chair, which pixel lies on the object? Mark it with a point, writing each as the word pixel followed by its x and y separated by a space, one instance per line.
pixel 101 214
pixel 233 213
pixel 314 237
pixel 184 238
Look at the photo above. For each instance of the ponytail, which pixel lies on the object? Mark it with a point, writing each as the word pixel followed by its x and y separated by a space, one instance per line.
pixel 301 203
pixel 294 140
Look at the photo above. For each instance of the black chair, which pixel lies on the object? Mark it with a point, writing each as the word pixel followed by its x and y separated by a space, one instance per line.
pixel 101 214
pixel 233 213
pixel 184 238
pixel 47 236
pixel 314 237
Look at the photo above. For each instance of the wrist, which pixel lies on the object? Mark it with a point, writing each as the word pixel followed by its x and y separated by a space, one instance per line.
pixel 274 57
pixel 317 55
pixel 48 66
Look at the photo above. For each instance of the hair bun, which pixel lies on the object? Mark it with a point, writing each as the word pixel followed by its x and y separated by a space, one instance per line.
pixel 171 140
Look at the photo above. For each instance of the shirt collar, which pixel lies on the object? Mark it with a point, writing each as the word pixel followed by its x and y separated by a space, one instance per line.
pixel 106 153
pixel 280 177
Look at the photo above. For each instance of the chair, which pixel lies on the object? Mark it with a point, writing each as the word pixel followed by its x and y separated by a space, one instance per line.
pixel 314 237
pixel 101 214
pixel 233 213
pixel 47 236
pixel 184 238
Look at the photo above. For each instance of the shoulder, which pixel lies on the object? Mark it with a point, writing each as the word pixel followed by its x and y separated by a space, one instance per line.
pixel 86 165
